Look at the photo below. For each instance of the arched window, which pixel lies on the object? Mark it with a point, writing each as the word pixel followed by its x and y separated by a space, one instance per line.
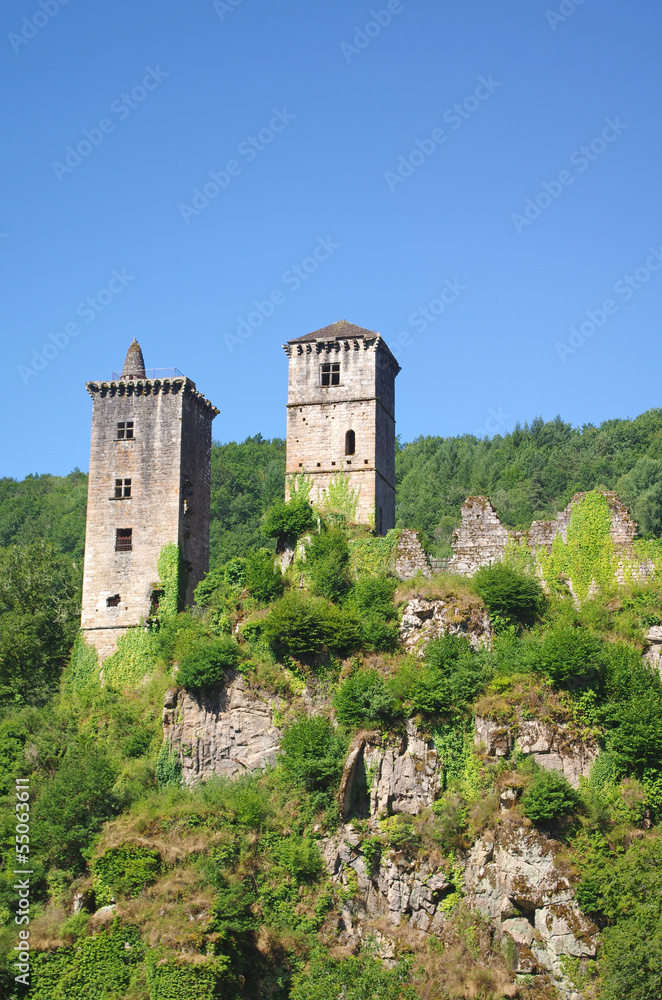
pixel 350 443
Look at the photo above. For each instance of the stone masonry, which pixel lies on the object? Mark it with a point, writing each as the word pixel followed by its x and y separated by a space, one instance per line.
pixel 481 539
pixel 340 417
pixel 150 466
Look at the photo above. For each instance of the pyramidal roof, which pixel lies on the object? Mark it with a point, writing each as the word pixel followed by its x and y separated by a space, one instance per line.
pixel 342 330
pixel 134 363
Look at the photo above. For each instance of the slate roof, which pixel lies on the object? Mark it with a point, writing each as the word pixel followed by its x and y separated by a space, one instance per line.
pixel 342 330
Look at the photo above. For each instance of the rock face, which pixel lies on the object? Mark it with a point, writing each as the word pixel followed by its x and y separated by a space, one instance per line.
pixel 512 878
pixel 481 539
pixel 653 650
pixel 388 885
pixel 226 730
pixel 401 776
pixel 423 620
pixel 550 745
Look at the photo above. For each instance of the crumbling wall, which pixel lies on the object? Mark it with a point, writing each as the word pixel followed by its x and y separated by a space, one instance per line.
pixel 481 539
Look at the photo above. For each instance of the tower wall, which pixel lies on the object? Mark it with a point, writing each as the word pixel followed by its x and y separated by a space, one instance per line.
pixel 320 416
pixel 167 460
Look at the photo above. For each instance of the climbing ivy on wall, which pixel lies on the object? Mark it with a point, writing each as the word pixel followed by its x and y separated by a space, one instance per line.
pixel 134 658
pixel 340 497
pixel 84 671
pixel 374 554
pixel 173 577
pixel 588 555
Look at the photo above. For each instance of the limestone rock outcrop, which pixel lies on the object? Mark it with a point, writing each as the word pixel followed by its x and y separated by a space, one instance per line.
pixel 226 730
pixel 550 745
pixel 424 619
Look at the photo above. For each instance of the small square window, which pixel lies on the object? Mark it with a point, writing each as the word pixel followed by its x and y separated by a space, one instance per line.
pixel 125 430
pixel 122 489
pixel 123 539
pixel 113 602
pixel 330 374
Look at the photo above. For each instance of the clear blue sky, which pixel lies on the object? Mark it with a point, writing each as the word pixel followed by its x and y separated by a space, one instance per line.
pixel 171 91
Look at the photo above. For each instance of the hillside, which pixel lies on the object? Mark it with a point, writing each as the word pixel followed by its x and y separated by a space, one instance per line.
pixel 326 782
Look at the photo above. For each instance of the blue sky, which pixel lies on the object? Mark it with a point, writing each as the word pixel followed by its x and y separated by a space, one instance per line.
pixel 404 141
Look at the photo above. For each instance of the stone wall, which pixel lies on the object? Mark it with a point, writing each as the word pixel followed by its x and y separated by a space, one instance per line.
pixel 410 557
pixel 481 539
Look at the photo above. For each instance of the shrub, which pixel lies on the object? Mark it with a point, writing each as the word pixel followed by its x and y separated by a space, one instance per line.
pixel 303 626
pixel 571 657
pixel 364 699
pixel 327 561
pixel 371 598
pixel 300 857
pixel 450 679
pixel 361 978
pixel 168 767
pixel 549 798
pixel 205 663
pixel 289 520
pixel 263 580
pixel 516 599
pixel 312 752
pixel 125 870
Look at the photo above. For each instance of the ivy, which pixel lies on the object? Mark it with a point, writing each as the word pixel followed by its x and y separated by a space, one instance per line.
pixel 125 870
pixel 340 498
pixel 374 554
pixel 168 767
pixel 174 979
pixel 174 578
pixel 588 556
pixel 84 669
pixel 134 658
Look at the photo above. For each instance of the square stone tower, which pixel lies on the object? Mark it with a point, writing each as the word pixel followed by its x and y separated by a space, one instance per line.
pixel 341 418
pixel 149 484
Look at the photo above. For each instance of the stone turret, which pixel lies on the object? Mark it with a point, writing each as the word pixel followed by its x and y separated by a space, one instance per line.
pixel 149 485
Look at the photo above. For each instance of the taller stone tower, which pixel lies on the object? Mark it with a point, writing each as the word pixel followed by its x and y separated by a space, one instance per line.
pixel 149 484
pixel 341 418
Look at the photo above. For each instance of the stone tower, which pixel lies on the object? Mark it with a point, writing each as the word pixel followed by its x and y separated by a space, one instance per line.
pixel 341 417
pixel 149 484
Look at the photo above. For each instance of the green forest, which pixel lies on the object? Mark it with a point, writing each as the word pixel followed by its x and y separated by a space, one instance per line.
pixel 143 887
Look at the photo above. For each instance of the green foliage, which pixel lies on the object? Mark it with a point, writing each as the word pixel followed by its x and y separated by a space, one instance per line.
pixel 570 656
pixel 374 554
pixel 172 574
pixel 516 599
pixel 173 978
pixel 262 578
pixel 206 663
pixel 549 798
pixel 84 673
pixel 340 498
pixel 365 700
pixel 371 599
pixel 299 857
pixel 47 509
pixel 168 767
pixel 448 681
pixel 302 626
pixel 288 521
pixel 39 616
pixel 124 871
pixel 312 753
pixel 361 978
pixel 588 555
pixel 133 660
pixel 102 966
pixel 327 564
pixel 246 478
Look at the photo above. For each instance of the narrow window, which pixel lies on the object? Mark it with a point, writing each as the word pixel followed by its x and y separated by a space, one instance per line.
pixel 350 443
pixel 330 374
pixel 113 602
pixel 122 489
pixel 123 539
pixel 125 430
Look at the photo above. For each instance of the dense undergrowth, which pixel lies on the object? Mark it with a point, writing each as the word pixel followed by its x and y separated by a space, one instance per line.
pixel 147 890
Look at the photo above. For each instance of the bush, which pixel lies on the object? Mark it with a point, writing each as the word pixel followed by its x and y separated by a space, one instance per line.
pixel 124 870
pixel 300 857
pixel 312 753
pixel 364 700
pixel 205 663
pixel 371 598
pixel 287 521
pixel 327 561
pixel 516 599
pixel 303 626
pixel 263 580
pixel 449 680
pixel 549 798
pixel 361 978
pixel 571 657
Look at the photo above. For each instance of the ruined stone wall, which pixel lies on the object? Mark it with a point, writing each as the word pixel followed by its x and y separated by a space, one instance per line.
pixel 319 417
pixel 171 439
pixel 481 539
